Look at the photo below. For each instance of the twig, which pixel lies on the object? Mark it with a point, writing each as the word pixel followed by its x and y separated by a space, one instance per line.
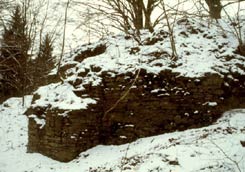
pixel 122 97
pixel 228 157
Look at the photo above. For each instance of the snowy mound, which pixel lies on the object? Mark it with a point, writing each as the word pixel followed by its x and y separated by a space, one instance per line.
pixel 202 48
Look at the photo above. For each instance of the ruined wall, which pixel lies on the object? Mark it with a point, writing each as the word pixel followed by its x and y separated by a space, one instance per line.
pixel 156 104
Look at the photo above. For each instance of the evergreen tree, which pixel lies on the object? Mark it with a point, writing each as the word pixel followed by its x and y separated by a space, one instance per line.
pixel 15 39
pixel 14 54
pixel 44 61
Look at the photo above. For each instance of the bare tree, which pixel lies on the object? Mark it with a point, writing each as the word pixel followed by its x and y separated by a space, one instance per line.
pixel 64 35
pixel 170 27
pixel 5 5
pixel 237 28
pixel 127 15
pixel 215 7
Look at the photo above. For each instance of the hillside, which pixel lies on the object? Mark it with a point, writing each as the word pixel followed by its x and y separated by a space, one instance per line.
pixel 201 50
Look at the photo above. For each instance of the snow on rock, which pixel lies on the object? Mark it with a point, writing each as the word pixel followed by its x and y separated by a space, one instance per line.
pixel 39 121
pixel 60 96
pixel 202 48
pixel 210 103
pixel 215 148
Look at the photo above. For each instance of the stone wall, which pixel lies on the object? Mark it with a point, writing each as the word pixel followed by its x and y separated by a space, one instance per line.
pixel 156 104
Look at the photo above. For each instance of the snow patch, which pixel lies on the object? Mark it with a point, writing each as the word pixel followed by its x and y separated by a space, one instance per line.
pixel 61 96
pixel 38 121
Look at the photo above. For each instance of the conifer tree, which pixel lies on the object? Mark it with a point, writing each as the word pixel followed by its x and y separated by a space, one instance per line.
pixel 44 61
pixel 15 39
pixel 14 54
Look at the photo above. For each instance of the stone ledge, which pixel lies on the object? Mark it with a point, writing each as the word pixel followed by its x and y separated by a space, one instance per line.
pixel 155 105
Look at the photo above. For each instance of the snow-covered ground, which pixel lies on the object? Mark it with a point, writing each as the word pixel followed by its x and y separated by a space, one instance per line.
pixel 215 148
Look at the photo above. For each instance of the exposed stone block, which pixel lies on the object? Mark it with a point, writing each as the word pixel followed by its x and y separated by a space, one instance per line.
pixel 154 105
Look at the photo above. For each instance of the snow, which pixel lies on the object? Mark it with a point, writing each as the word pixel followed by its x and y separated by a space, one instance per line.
pixel 61 96
pixel 213 148
pixel 204 55
pixel 51 16
pixel 198 54
pixel 210 103
pixel 158 90
pixel 204 51
pixel 39 121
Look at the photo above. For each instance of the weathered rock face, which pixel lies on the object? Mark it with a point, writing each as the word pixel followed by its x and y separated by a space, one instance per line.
pixel 154 105
pixel 64 137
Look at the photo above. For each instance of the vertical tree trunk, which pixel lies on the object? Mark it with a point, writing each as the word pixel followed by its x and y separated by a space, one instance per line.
pixel 138 11
pixel 215 8
pixel 148 12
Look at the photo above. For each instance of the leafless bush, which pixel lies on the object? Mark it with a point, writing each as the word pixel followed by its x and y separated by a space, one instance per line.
pixel 129 16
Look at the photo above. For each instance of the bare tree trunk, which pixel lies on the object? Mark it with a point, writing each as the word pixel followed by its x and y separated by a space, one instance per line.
pixel 174 55
pixel 139 14
pixel 136 6
pixel 215 8
pixel 63 41
pixel 148 12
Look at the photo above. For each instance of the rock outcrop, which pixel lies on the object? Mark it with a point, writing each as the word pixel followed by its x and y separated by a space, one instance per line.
pixel 136 90
pixel 154 105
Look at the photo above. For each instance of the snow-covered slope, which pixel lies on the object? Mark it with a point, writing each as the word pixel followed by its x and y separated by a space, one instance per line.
pixel 218 148
pixel 202 48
